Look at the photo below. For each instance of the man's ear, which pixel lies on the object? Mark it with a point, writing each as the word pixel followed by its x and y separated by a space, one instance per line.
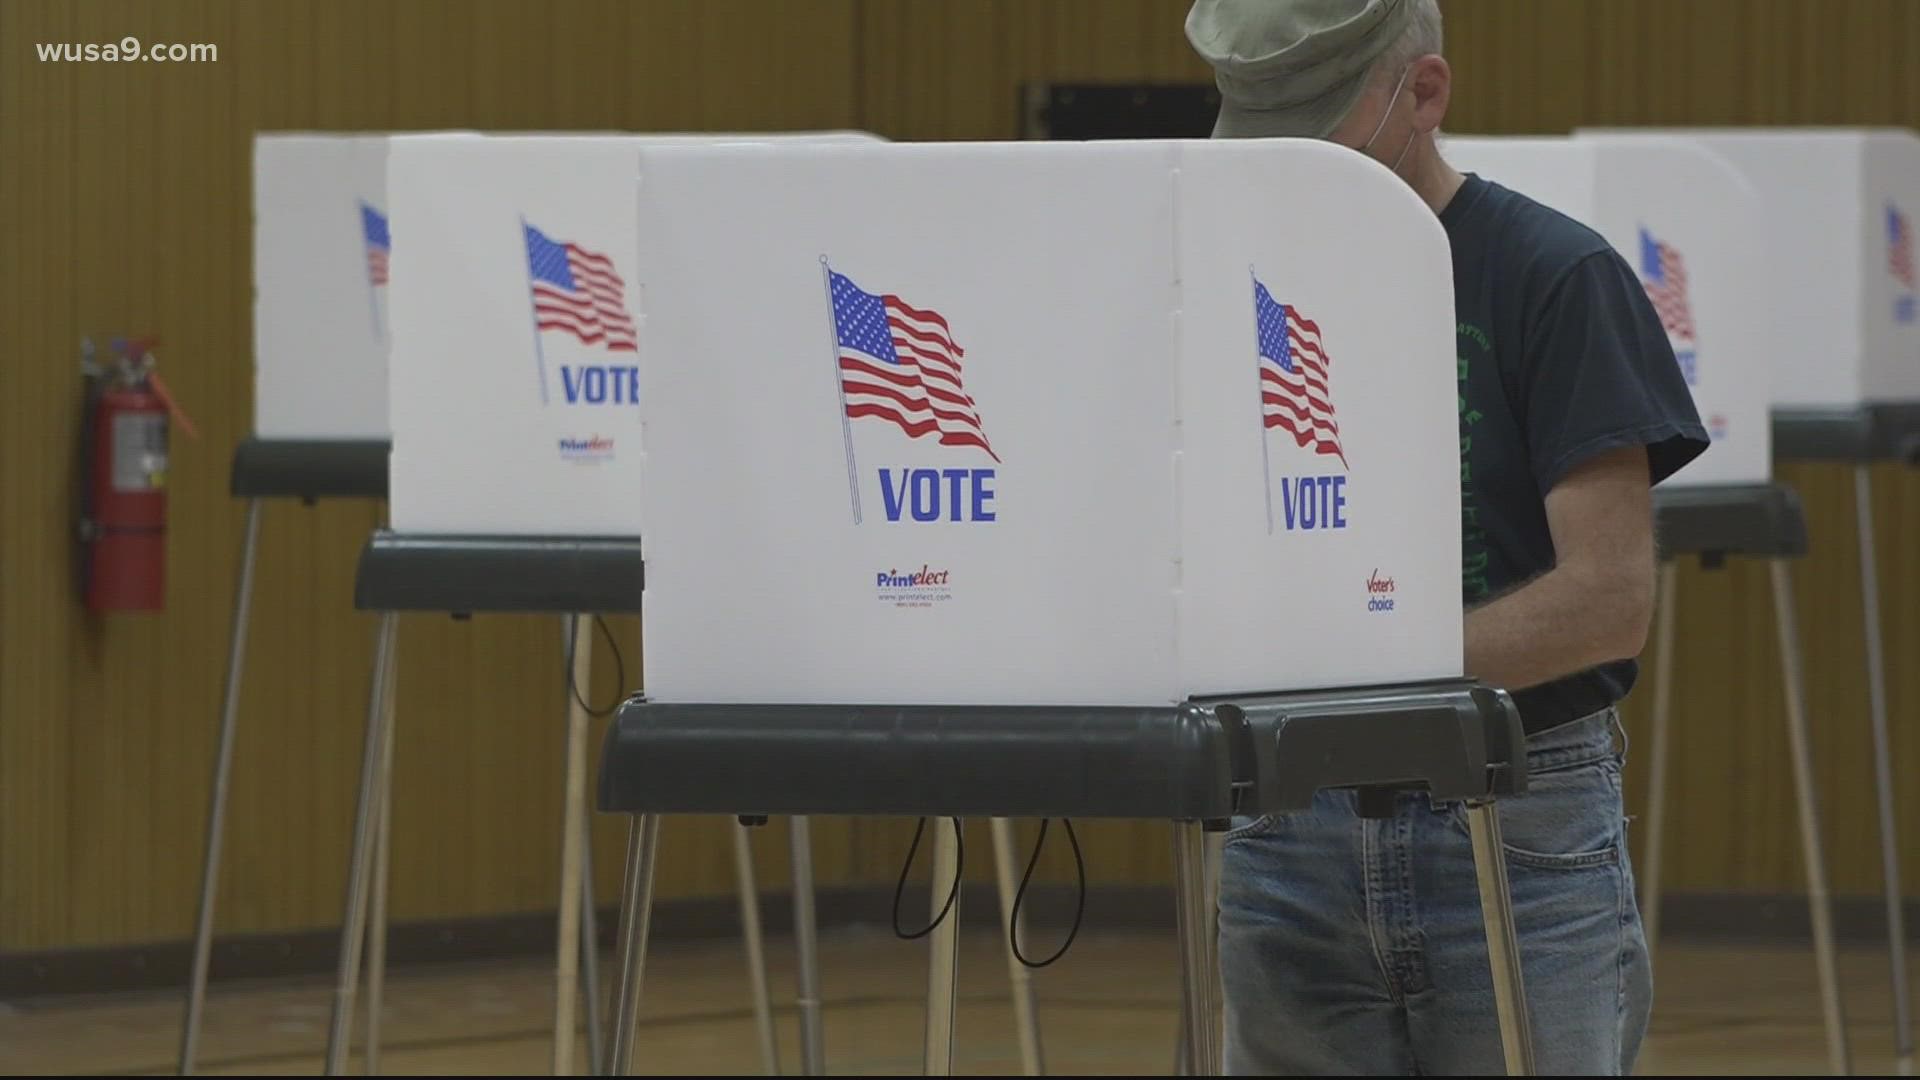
pixel 1432 86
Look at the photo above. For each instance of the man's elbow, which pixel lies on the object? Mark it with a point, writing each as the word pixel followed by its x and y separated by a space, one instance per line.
pixel 1628 606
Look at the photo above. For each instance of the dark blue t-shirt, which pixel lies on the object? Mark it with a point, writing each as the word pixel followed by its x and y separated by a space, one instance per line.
pixel 1561 357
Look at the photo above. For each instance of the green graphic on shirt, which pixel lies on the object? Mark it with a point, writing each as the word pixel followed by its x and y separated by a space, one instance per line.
pixel 1473 539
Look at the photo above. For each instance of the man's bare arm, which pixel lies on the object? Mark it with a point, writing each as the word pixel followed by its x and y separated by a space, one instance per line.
pixel 1594 606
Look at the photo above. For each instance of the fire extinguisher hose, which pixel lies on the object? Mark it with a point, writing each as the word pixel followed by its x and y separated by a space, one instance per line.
pixel 173 408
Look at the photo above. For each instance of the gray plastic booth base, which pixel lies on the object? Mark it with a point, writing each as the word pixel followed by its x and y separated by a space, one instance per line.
pixel 1196 764
pixel 310 469
pixel 1759 520
pixel 1880 432
pixel 1455 740
pixel 467 575
pixel 1204 760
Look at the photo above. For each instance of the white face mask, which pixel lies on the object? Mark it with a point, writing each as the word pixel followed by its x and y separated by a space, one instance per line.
pixel 1382 125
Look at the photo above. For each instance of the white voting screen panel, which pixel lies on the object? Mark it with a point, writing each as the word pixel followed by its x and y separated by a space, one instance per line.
pixel 515 370
pixel 321 243
pixel 1692 230
pixel 1890 180
pixel 823 524
pixel 908 424
pixel 1320 487
pixel 1840 206
pixel 1559 172
pixel 515 377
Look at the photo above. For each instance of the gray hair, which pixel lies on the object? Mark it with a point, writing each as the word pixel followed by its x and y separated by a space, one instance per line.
pixel 1422 37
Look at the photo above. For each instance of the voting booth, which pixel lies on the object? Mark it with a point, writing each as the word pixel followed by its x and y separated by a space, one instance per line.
pixel 516 449
pixel 1694 231
pixel 1839 206
pixel 1691 229
pixel 926 480
pixel 517 378
pixel 321 250
pixel 1047 480
pixel 516 373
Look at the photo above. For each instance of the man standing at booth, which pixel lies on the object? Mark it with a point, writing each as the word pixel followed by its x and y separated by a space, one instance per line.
pixel 1355 945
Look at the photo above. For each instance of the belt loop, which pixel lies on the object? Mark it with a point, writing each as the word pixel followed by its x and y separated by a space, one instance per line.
pixel 1620 728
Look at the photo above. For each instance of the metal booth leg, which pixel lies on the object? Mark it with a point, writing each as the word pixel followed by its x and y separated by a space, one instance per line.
pixel 589 930
pixel 217 812
pixel 806 943
pixel 944 964
pixel 354 922
pixel 1503 947
pixel 1216 848
pixel 1818 902
pixel 1026 1013
pixel 573 827
pixel 377 924
pixel 1196 950
pixel 745 884
pixel 1657 768
pixel 1883 774
pixel 590 956
pixel 636 914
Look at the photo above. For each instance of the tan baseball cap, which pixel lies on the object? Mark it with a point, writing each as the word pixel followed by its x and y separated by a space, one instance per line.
pixel 1291 68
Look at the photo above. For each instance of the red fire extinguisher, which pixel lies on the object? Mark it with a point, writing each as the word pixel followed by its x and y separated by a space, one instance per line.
pixel 123 497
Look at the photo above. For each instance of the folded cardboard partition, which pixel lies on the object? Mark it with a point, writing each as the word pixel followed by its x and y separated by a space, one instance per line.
pixel 1692 229
pixel 1840 206
pixel 515 375
pixel 1042 424
pixel 321 249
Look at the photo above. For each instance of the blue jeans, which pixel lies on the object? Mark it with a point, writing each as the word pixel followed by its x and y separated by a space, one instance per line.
pixel 1356 946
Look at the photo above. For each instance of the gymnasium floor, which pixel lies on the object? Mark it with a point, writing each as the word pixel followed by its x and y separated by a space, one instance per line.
pixel 1107 1008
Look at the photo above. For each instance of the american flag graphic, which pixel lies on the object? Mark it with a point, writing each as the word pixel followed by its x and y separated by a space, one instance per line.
pixel 1900 246
pixel 1293 375
pixel 578 292
pixel 900 364
pixel 373 227
pixel 1665 277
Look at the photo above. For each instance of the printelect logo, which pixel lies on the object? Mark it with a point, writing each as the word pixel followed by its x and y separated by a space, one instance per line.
pixel 922 588
pixel 917 579
pixel 597 447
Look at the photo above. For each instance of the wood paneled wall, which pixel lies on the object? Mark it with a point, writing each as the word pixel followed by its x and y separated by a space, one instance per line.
pixel 127 195
pixel 125 198
pixel 1529 67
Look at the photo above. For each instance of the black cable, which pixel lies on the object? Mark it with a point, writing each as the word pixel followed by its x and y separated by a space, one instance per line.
pixel 959 865
pixel 619 669
pixel 1080 905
